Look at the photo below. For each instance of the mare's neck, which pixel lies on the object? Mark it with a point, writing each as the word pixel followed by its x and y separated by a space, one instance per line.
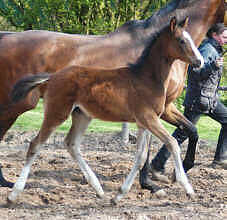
pixel 203 14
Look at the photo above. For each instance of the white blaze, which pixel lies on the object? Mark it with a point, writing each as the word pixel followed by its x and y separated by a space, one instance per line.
pixel 194 48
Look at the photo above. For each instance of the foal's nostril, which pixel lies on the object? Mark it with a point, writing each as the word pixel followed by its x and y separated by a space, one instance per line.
pixel 199 63
pixel 196 63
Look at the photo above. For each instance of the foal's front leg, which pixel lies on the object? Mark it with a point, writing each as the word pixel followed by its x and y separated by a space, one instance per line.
pixel 175 117
pixel 153 123
pixel 73 140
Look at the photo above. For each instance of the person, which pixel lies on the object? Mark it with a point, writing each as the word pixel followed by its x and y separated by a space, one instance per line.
pixel 202 98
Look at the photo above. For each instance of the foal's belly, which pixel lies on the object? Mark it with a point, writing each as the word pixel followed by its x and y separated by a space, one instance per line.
pixel 106 113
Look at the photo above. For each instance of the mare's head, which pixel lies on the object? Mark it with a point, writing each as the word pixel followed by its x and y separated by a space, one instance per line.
pixel 182 46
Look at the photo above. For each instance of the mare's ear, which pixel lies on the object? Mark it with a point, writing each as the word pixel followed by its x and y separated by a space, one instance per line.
pixel 185 23
pixel 173 24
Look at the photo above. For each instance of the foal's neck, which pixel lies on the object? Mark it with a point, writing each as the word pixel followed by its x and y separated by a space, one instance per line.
pixel 158 63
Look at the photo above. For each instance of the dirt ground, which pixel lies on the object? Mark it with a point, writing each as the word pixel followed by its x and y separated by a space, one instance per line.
pixel 57 190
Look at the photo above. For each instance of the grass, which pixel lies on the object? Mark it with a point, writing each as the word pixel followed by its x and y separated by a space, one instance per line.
pixel 208 129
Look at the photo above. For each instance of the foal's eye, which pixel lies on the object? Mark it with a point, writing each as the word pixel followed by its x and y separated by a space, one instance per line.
pixel 181 41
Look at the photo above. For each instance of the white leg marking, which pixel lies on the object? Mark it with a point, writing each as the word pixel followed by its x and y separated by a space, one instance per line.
pixel 180 173
pixel 21 181
pixel 125 132
pixel 140 157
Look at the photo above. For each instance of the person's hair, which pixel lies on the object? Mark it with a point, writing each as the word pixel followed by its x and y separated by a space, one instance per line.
pixel 217 28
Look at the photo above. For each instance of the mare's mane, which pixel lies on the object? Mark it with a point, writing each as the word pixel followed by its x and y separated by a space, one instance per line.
pixel 134 26
pixel 150 29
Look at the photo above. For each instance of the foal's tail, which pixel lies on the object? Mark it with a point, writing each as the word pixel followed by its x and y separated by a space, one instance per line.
pixel 25 85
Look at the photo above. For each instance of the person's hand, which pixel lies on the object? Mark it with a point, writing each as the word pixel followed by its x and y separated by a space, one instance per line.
pixel 219 62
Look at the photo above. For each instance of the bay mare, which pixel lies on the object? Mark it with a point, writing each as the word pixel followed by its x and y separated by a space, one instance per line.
pixel 32 52
pixel 132 94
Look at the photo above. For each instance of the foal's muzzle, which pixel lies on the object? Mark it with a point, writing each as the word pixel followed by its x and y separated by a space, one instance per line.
pixel 196 64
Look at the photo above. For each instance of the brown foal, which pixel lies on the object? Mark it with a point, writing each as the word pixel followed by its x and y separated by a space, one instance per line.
pixel 32 52
pixel 132 94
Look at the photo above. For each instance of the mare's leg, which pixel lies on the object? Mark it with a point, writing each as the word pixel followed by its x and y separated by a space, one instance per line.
pixel 55 114
pixel 73 140
pixel 4 182
pixel 152 122
pixel 5 125
pixel 126 135
pixel 139 160
pixel 125 132
pixel 8 116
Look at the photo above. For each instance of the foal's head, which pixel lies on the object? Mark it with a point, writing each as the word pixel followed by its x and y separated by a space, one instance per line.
pixel 182 46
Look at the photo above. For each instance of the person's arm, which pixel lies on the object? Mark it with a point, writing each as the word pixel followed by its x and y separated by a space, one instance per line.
pixel 210 64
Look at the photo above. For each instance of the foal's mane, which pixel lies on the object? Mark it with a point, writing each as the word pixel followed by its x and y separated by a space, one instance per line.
pixel 162 25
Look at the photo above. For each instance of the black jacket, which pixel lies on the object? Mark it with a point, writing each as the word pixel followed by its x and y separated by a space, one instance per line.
pixel 202 86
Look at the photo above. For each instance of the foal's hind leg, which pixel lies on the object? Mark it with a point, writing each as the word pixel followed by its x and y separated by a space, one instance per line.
pixel 51 121
pixel 73 140
pixel 31 155
pixel 144 179
pixel 140 159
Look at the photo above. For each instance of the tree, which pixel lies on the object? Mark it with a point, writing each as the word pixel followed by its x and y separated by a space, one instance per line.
pixel 76 16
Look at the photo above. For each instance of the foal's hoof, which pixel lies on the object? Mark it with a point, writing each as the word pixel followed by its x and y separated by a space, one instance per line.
pixel 191 195
pixel 100 193
pixel 158 176
pixel 10 203
pixel 160 193
pixel 113 201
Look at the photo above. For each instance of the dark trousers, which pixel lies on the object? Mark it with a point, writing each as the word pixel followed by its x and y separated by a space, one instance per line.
pixel 219 114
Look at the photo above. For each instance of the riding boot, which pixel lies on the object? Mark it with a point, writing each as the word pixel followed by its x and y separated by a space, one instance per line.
pixel 220 157
pixel 189 159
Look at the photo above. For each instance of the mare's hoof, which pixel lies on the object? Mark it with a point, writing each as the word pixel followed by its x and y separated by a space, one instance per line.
pixel 6 184
pixel 132 139
pixel 173 177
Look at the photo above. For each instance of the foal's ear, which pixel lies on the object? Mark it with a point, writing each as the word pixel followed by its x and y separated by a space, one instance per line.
pixel 185 23
pixel 173 24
